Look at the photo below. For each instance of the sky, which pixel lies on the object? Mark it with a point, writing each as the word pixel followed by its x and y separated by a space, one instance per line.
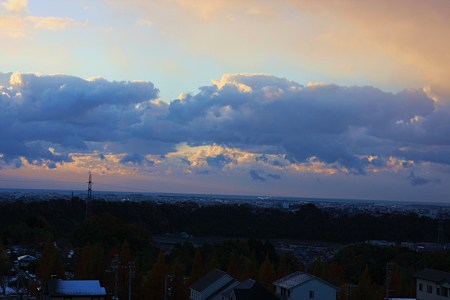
pixel 298 98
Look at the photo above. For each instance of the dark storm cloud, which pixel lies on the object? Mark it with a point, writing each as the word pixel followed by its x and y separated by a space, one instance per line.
pixel 219 161
pixel 136 159
pixel 262 114
pixel 66 113
pixel 255 175
pixel 274 176
pixel 261 175
pixel 337 125
pixel 418 180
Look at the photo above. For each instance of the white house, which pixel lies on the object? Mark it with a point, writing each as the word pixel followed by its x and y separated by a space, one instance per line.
pixel 212 285
pixel 432 284
pixel 25 260
pixel 303 286
pixel 57 289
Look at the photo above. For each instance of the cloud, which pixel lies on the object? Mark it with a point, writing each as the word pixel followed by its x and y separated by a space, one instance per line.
pixel 38 112
pixel 256 176
pixel 274 176
pixel 18 22
pixel 15 6
pixel 144 22
pixel 262 175
pixel 417 180
pixel 136 159
pixel 50 23
pixel 335 124
pixel 412 40
pixel 256 122
pixel 219 161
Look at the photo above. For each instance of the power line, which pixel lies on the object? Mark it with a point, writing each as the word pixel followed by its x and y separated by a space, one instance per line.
pixel 125 187
pixel 78 182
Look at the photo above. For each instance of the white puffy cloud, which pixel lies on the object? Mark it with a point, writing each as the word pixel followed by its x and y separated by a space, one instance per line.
pixel 15 6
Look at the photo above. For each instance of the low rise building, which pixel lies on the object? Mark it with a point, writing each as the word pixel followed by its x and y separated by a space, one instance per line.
pixel 304 286
pixel 212 285
pixel 432 284
pixel 57 289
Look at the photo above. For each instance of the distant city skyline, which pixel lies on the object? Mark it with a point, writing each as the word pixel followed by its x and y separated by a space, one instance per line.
pixel 297 98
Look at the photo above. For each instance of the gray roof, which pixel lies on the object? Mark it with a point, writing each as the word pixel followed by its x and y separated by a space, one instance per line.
pixel 298 278
pixel 26 258
pixel 251 290
pixel 209 279
pixel 292 280
pixel 75 288
pixel 433 275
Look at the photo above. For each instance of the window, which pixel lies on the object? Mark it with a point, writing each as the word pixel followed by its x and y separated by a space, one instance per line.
pixel 195 294
pixel 438 291
pixel 444 291
pixel 429 289
pixel 311 294
pixel 420 287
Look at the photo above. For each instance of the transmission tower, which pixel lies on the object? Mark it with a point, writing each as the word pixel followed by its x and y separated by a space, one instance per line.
pixel 440 237
pixel 89 198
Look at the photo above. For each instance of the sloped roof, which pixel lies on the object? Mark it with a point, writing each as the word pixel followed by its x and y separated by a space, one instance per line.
pixel 209 279
pixel 75 288
pixel 433 275
pixel 298 278
pixel 249 290
pixel 26 258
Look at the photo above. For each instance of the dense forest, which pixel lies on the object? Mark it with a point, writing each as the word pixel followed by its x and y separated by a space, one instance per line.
pixel 117 241
pixel 21 221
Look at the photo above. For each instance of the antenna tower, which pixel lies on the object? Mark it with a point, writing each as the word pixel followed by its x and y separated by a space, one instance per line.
pixel 440 237
pixel 89 197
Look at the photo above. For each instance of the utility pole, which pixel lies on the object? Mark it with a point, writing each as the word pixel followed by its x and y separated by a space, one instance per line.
pixel 89 198
pixel 131 267
pixel 115 263
pixel 389 266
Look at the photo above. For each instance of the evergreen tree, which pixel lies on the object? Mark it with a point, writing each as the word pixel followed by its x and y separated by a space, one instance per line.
pixel 179 290
pixel 124 271
pixel 282 267
pixel 197 270
pixel 214 262
pixel 250 267
pixel 233 265
pixel 366 288
pixel 50 263
pixel 91 263
pixel 5 267
pixel 267 274
pixel 156 282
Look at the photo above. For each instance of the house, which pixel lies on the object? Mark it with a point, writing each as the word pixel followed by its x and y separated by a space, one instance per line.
pixel 303 286
pixel 212 286
pixel 57 289
pixel 249 290
pixel 432 284
pixel 25 260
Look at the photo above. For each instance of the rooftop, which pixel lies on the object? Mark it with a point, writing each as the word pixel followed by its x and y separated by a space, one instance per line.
pixel 433 275
pixel 293 279
pixel 75 287
pixel 209 279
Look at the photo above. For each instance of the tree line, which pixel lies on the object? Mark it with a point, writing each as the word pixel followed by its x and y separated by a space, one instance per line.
pixel 116 243
pixel 24 221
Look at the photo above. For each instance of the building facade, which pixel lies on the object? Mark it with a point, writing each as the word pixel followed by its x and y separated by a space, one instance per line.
pixel 303 286
pixel 432 284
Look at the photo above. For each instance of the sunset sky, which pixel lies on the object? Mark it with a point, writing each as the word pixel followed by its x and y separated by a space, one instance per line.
pixel 304 98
